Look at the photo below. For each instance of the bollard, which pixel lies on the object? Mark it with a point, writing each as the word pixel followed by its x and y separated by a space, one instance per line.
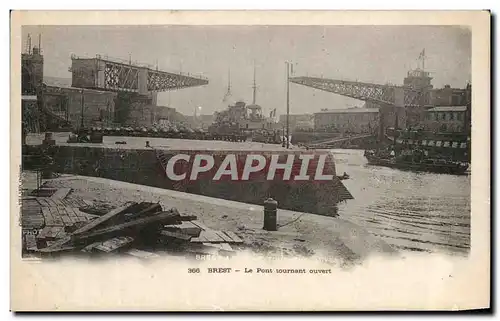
pixel 270 215
pixel 48 162
pixel 48 139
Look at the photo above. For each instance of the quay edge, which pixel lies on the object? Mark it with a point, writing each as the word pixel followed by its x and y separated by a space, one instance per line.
pixel 142 166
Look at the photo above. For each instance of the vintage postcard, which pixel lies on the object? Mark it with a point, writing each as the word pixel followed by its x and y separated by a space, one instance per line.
pixel 250 161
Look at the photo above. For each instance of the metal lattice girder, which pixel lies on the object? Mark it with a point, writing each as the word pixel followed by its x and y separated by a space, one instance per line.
pixel 161 81
pixel 121 77
pixel 124 76
pixel 376 93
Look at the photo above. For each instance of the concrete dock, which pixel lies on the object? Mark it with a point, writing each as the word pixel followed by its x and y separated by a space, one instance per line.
pixel 299 234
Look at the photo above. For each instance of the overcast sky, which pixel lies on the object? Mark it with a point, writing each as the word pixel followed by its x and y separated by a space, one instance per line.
pixel 371 54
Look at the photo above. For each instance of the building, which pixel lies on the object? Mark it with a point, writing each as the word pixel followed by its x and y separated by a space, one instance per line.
pixel 96 107
pixel 298 122
pixel 448 96
pixel 31 71
pixel 350 120
pixel 451 119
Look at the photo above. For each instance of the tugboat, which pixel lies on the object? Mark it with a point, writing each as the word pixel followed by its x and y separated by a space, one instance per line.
pixel 415 160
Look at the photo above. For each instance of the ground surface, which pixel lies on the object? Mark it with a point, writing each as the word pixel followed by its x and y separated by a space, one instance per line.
pixel 334 239
pixel 161 143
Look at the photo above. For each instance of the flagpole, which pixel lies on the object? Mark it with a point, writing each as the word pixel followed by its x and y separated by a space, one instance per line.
pixel 287 106
pixel 423 59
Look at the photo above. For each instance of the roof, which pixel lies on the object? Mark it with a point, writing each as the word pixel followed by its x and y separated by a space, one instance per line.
pixel 448 108
pixel 349 111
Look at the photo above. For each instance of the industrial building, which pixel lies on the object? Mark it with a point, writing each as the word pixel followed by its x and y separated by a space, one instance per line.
pixel 446 119
pixel 298 121
pixel 102 92
pixel 350 120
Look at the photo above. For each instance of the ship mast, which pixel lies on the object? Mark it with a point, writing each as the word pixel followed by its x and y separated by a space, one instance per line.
pixel 228 93
pixel 422 57
pixel 254 86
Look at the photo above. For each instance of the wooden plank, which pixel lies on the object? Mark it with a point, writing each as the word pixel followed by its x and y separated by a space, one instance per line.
pixel 188 217
pixel 42 201
pixel 44 232
pixel 221 246
pixel 185 227
pixel 90 247
pixel 147 209
pixel 200 225
pixel 46 212
pixel 223 236
pixel 75 211
pixel 176 235
pixel 62 233
pixel 93 224
pixel 66 220
pixel 59 245
pixel 30 242
pixel 58 221
pixel 162 217
pixel 232 235
pixel 142 254
pixel 53 233
pixel 212 237
pixel 89 203
pixel 199 239
pixel 63 244
pixel 61 193
pixel 114 244
pixel 226 247
pixel 50 202
pixel 70 213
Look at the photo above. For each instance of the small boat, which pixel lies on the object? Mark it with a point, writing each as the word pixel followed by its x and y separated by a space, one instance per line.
pixel 424 165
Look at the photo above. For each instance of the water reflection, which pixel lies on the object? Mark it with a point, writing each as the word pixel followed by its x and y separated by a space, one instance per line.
pixel 411 211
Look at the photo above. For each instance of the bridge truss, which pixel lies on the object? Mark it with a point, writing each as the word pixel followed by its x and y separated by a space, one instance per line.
pixel 118 76
pixel 399 96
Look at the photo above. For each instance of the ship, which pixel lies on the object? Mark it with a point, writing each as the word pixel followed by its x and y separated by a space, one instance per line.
pixel 416 160
pixel 246 120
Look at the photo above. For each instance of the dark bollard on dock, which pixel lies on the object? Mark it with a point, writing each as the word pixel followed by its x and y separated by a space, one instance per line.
pixel 49 140
pixel 270 215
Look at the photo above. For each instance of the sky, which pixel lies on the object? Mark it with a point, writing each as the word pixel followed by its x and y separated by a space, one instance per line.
pixel 378 54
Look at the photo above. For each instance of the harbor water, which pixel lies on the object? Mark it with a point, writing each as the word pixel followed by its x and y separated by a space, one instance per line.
pixel 411 211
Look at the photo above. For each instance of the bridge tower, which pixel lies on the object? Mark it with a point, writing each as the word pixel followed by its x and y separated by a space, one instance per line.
pixel 31 87
pixel 399 106
pixel 136 85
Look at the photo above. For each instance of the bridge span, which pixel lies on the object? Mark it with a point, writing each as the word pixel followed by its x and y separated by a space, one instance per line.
pixel 120 76
pixel 342 142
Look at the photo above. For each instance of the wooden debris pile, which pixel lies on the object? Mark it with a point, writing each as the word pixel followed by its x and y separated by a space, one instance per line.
pixel 135 229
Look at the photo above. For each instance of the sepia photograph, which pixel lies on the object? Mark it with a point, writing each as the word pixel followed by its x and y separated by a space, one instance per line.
pixel 207 143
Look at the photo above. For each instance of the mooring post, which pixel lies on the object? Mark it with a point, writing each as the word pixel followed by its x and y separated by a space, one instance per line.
pixel 270 215
pixel 48 140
